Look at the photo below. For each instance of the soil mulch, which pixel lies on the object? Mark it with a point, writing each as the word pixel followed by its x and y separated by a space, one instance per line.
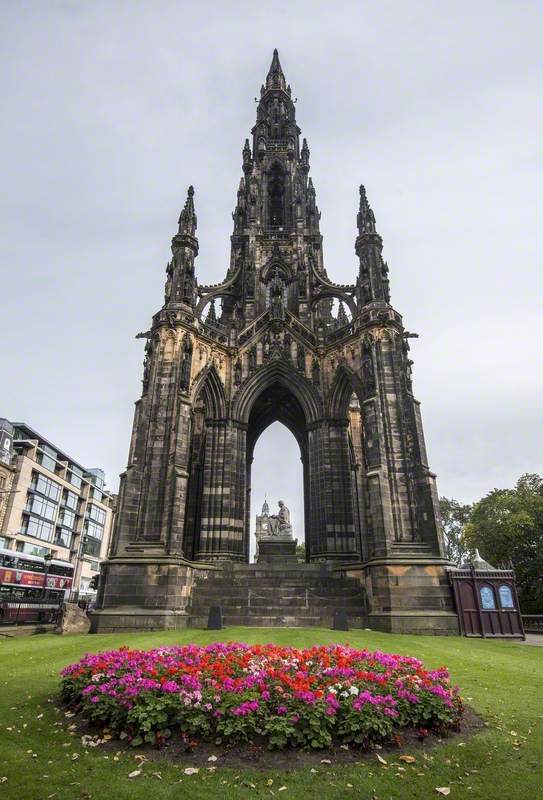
pixel 255 755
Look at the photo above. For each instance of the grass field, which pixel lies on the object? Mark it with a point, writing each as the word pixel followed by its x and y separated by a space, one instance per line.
pixel 502 681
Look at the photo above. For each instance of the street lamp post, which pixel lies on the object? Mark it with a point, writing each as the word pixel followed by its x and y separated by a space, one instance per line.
pixel 47 558
pixel 79 563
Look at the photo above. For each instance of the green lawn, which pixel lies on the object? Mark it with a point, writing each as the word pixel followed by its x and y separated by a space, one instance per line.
pixel 502 681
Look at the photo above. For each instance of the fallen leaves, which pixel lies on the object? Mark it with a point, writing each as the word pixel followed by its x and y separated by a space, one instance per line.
pixel 191 771
pixel 136 773
pixel 443 790
pixel 408 759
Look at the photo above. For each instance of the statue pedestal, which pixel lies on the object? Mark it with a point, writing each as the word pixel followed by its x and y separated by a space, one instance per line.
pixel 277 551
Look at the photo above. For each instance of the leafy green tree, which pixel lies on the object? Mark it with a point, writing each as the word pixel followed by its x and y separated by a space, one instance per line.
pixel 507 527
pixel 300 552
pixel 454 517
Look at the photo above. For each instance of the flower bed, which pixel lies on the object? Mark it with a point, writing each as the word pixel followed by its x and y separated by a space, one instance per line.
pixel 235 692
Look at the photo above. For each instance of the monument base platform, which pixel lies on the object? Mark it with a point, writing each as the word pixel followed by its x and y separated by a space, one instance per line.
pixel 399 593
pixel 277 551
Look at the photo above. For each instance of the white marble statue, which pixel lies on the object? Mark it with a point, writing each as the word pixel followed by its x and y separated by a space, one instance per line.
pixel 280 523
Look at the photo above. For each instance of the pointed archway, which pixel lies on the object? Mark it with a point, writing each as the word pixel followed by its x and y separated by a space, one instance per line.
pixel 276 403
pixel 276 473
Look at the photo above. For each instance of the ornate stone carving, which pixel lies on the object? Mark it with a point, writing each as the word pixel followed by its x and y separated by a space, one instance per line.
pixel 186 363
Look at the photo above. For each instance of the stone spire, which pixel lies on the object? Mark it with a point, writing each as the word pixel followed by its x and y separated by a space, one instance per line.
pixel 366 218
pixel 187 220
pixel 184 249
pixel 275 78
pixel 373 284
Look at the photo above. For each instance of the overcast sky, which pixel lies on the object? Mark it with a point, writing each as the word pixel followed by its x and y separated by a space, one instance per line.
pixel 110 110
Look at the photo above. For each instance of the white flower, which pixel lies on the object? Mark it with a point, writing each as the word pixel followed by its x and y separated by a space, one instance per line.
pixel 354 690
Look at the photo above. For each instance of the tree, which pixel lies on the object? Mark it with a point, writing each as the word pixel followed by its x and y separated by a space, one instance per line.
pixel 507 527
pixel 454 516
pixel 300 552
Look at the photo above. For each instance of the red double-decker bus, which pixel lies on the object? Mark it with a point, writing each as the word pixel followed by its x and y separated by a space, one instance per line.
pixel 31 588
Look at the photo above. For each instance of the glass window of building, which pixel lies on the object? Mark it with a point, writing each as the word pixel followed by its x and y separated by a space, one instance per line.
pixel 91 546
pixel 96 514
pixel 506 596
pixel 75 476
pixel 62 537
pixel 487 597
pixel 41 506
pixel 67 518
pixel 70 499
pixel 40 528
pixel 94 530
pixel 32 549
pixel 96 494
pixel 45 486
pixel 47 457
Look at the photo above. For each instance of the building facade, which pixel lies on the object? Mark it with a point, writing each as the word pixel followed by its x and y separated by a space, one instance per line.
pixel 50 504
pixel 277 340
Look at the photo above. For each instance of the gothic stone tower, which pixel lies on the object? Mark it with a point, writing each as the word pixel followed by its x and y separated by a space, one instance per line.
pixel 222 362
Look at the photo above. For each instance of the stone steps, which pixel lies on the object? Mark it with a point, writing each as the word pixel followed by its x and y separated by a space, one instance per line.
pixel 276 621
pixel 277 596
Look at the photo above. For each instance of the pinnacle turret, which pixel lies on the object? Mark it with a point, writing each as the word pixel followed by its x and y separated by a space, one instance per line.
pixel 366 218
pixel 187 220
pixel 373 283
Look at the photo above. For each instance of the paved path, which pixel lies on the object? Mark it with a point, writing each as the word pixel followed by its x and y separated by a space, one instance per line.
pixel 534 639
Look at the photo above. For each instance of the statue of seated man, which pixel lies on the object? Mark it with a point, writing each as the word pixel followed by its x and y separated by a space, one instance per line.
pixel 280 523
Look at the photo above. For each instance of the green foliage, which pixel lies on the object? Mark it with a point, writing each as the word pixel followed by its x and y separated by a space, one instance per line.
pixel 454 516
pixel 300 552
pixel 507 527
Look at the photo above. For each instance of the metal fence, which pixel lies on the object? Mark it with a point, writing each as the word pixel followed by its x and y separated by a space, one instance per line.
pixel 533 623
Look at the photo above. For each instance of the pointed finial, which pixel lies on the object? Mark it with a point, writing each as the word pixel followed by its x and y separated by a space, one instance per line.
pixel 187 218
pixel 366 218
pixel 265 507
pixel 212 316
pixel 342 314
pixel 275 78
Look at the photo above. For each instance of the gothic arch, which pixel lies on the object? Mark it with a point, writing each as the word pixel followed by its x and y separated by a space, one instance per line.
pixel 276 263
pixel 322 294
pixel 209 388
pixel 345 383
pixel 282 374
